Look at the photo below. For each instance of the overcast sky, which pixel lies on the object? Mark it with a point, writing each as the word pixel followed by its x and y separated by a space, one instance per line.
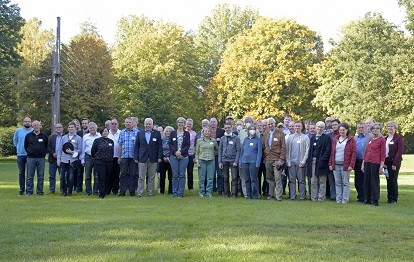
pixel 324 16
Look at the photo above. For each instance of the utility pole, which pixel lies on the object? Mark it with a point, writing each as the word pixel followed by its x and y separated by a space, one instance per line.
pixel 56 80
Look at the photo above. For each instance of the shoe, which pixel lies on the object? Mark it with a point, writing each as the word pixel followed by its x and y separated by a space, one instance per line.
pixel 51 192
pixel 29 194
pixel 367 202
pixel 375 203
pixel 220 193
pixel 63 194
pixel 122 195
pixel 138 195
pixel 69 194
pixel 360 201
pixel 132 193
pixel 201 196
pixel 393 202
pixel 269 198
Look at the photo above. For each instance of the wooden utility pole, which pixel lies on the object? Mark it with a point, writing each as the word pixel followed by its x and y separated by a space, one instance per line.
pixel 56 80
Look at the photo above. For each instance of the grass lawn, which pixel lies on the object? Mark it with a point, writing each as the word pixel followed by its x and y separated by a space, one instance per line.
pixel 162 228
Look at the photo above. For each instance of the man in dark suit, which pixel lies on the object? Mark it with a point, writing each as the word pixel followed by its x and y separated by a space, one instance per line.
pixel 217 134
pixel 52 145
pixel 148 152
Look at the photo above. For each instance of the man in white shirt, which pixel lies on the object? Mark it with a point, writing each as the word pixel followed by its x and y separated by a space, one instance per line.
pixel 87 160
pixel 113 180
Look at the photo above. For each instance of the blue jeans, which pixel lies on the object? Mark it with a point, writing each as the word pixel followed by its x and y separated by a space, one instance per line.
pixel 206 173
pixel 89 165
pixel 67 172
pixel 52 175
pixel 252 184
pixel 35 164
pixel 21 164
pixel 178 167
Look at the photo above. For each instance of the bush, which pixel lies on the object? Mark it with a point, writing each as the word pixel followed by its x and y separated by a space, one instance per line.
pixel 6 141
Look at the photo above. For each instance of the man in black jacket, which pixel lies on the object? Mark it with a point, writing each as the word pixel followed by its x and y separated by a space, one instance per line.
pixel 35 144
pixel 52 144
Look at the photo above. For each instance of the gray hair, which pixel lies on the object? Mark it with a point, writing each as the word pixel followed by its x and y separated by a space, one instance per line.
pixel 321 124
pixel 392 123
pixel 181 119
pixel 93 124
pixel 168 128
pixel 149 120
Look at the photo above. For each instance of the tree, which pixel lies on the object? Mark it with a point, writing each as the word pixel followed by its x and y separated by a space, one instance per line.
pixel 33 86
pixel 362 76
pixel 87 80
pixel 409 7
pixel 10 24
pixel 157 71
pixel 268 71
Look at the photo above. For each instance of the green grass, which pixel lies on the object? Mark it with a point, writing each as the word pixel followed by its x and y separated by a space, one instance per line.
pixel 162 228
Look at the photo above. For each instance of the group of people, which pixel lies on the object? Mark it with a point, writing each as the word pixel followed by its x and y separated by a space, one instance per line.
pixel 247 158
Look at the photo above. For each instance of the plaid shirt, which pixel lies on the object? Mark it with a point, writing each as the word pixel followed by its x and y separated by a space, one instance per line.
pixel 127 141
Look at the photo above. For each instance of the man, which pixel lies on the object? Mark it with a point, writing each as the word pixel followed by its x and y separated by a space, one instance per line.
pixel 229 120
pixel 243 133
pixel 286 120
pixel 331 189
pixel 204 123
pixel 78 176
pixel 291 128
pixel 191 152
pixel 361 138
pixel 18 141
pixel 328 124
pixel 217 134
pixel 87 160
pixel 297 150
pixel 274 158
pixel 35 144
pixel 135 123
pixel 148 153
pixel 126 143
pixel 239 126
pixel 368 124
pixel 53 143
pixel 113 180
pixel 311 129
pixel 263 187
pixel 311 132
pixel 68 158
pixel 228 158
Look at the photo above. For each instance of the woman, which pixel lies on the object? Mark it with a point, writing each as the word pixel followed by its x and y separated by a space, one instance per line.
pixel 342 162
pixel 373 164
pixel 250 158
pixel 102 152
pixel 179 144
pixel 206 149
pixel 393 156
pixel 165 163
pixel 318 162
pixel 68 153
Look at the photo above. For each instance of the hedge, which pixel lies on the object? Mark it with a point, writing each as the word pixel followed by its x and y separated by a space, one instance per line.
pixel 6 141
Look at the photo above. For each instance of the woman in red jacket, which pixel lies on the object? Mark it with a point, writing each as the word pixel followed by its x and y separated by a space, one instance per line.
pixel 394 148
pixel 342 161
pixel 373 164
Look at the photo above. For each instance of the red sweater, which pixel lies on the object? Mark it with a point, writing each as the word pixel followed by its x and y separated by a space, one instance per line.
pixel 349 153
pixel 375 151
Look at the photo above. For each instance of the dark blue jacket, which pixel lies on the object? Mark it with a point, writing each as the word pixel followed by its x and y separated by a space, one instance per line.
pixel 324 145
pixel 174 143
pixel 144 151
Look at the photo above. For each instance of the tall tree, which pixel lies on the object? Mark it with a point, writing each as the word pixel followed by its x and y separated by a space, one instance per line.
pixel 10 35
pixel 157 70
pixel 409 7
pixel 268 70
pixel 33 85
pixel 87 80
pixel 360 74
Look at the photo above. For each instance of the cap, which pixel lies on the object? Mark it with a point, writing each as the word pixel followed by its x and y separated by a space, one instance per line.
pixel 229 117
pixel 67 145
pixel 280 125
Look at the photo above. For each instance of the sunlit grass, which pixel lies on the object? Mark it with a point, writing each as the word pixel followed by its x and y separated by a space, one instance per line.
pixel 162 228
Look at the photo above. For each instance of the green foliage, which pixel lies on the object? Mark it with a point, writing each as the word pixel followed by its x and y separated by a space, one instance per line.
pixel 6 141
pixel 87 80
pixel 10 24
pixel 269 70
pixel 368 74
pixel 157 71
pixel 409 7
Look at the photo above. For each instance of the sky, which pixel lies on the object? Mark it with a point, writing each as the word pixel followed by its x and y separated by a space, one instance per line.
pixel 326 17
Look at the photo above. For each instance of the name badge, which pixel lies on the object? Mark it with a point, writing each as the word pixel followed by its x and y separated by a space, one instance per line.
pixel 275 139
pixel 109 144
pixel 251 144
pixel 41 140
pixel 218 139
pixel 211 143
pixel 392 143
pixel 133 138
pixel 369 142
pixel 174 138
pixel 231 142
pixel 73 140
pixel 314 144
pixel 154 139
pixel 298 141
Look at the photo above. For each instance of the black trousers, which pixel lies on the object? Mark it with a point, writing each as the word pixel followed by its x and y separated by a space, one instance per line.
pixel 190 173
pixel 392 183
pixel 371 181
pixel 103 169
pixel 165 170
pixel 113 180
pixel 263 187
pixel 359 180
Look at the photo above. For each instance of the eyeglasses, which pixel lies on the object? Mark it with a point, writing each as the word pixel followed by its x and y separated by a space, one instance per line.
pixel 59 127
pixel 375 128
pixel 114 124
pixel 279 126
